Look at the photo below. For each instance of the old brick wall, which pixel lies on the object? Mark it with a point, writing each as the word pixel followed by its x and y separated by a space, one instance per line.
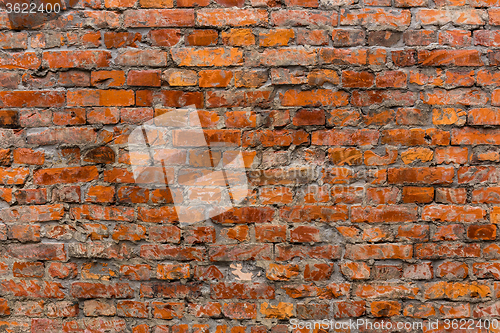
pixel 369 134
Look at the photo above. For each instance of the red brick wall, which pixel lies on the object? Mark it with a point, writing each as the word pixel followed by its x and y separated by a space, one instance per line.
pixel 374 120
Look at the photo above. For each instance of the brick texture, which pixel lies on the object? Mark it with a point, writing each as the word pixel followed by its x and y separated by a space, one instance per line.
pixel 370 140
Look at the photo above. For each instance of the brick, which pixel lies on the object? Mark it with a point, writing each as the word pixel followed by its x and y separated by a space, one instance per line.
pixel 348 309
pixel 217 99
pixel 5 157
pixel 31 99
pixel 67 194
pixel 270 233
pixel 107 78
pixel 149 78
pixel 215 78
pixel 286 76
pixel 62 270
pixel 239 252
pixel 102 19
pixel 474 136
pixel 47 40
pixel 31 288
pixel 147 58
pixel 153 4
pixel 382 251
pixel 207 57
pixel 322 77
pixel 382 195
pixel 169 98
pixel 443 16
pixel 173 271
pixel 40 325
pixel 86 39
pixel 94 212
pixel 391 79
pixel 350 158
pixel 74 116
pixel 38 251
pixel 419 37
pixel 242 291
pixel 240 310
pixel 88 290
pixel 303 18
pixel 493 14
pixel 304 234
pixel 453 270
pixel 436 175
pixel 277 37
pixel 65 175
pixel 422 271
pixel 313 98
pixel 413 232
pixel 31 196
pixel 455 290
pixel 24 233
pixel 11 176
pixel 183 78
pixel 103 155
pixel 383 38
pixel 348 37
pixel 287 57
pixel 418 194
pixel 482 232
pixel 132 309
pixel 164 37
pixel 136 272
pixel 210 309
pixel 343 57
pixel 450 57
pixel 27 60
pixel 453 213
pixel 406 3
pixel 417 154
pixel 121 39
pixel 77 59
pixel 101 98
pixel 314 213
pixel 351 79
pixel 9 80
pixel 448 116
pixel 435 250
pixel 202 38
pixel 383 97
pixel 385 308
pixel 164 234
pixel 238 37
pixel 311 37
pixel 388 291
pixel 193 3
pixel 376 19
pixel 384 214
pixel 355 270
pixel 370 158
pixel 455 38
pixel 172 252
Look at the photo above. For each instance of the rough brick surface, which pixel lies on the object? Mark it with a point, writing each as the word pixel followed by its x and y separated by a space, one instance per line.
pixel 370 144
